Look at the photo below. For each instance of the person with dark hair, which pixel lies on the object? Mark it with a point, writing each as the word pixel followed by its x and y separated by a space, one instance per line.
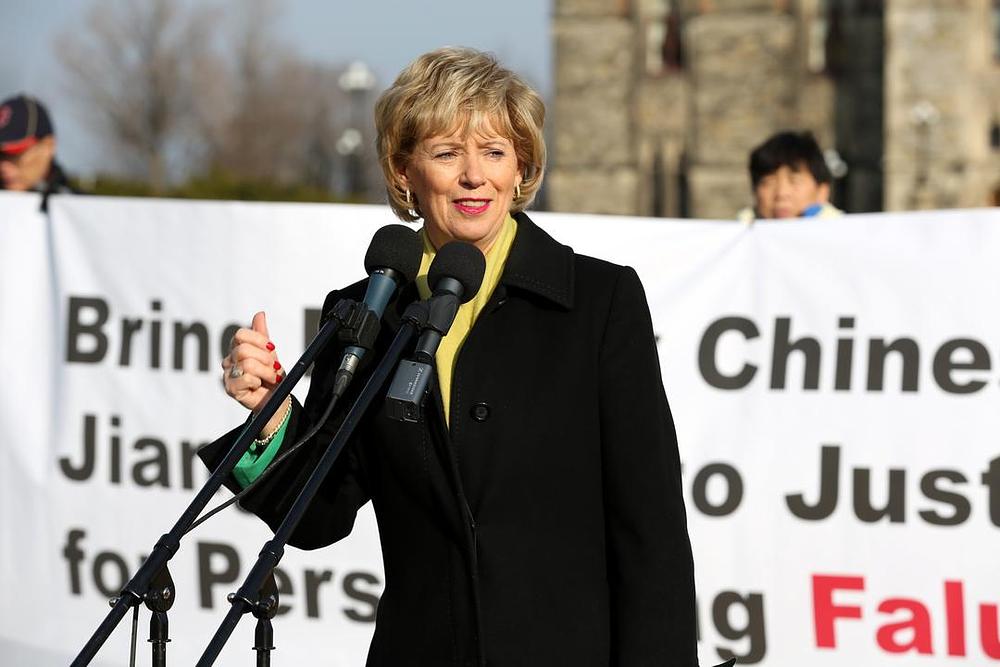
pixel 28 149
pixel 790 179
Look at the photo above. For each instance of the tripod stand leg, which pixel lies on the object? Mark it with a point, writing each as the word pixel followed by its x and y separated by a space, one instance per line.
pixel 135 632
pixel 263 642
pixel 159 635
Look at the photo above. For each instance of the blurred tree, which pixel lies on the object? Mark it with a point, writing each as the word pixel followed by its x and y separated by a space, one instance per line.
pixel 280 116
pixel 236 110
pixel 135 65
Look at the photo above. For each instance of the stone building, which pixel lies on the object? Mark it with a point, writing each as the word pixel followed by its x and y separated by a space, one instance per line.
pixel 659 102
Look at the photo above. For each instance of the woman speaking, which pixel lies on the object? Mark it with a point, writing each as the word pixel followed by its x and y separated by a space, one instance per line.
pixel 534 516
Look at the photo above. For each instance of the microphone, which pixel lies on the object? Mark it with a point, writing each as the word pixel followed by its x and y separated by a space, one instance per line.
pixel 392 260
pixel 455 276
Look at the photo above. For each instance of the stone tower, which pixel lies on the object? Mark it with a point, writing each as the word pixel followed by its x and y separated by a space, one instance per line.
pixel 659 102
pixel 594 140
pixel 941 99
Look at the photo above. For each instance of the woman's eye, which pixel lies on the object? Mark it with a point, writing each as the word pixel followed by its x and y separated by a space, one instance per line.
pixel 445 155
pixel 497 154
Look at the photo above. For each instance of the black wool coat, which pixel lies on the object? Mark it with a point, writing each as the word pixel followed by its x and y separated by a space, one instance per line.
pixel 546 526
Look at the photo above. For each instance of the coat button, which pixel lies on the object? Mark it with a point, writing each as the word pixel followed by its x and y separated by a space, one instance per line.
pixel 480 412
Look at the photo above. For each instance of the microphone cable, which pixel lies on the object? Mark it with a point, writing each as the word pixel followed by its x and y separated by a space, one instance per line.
pixel 271 466
pixel 459 274
pixel 393 257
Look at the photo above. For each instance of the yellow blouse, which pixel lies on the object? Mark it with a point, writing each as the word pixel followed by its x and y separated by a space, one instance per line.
pixel 496 257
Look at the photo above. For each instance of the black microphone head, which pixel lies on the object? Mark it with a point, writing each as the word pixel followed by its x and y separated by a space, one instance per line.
pixel 395 247
pixel 462 261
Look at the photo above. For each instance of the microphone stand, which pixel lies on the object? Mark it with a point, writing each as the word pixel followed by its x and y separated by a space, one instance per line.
pixel 265 610
pixel 151 584
pixel 248 597
pixel 159 599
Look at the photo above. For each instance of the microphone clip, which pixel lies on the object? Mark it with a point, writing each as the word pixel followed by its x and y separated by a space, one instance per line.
pixel 433 318
pixel 436 313
pixel 359 325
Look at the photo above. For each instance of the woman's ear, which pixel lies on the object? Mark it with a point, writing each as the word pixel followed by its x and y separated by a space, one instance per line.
pixel 402 180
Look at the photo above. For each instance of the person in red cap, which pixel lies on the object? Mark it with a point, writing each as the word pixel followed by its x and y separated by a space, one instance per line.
pixel 28 148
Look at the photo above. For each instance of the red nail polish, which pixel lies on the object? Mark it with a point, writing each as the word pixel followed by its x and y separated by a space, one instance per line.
pixel 280 378
pixel 277 366
pixel 270 346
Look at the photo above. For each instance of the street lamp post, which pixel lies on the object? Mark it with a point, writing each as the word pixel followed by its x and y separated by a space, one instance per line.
pixel 357 81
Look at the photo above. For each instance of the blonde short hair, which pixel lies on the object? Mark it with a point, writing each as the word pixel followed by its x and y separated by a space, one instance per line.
pixel 458 88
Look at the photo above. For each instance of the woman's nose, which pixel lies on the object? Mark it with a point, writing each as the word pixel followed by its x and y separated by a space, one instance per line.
pixel 472 173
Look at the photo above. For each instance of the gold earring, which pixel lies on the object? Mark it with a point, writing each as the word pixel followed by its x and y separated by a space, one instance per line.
pixel 517 191
pixel 409 200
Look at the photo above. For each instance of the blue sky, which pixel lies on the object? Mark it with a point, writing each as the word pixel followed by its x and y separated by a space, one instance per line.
pixel 385 34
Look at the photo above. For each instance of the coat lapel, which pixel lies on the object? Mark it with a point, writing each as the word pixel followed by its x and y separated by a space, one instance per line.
pixel 537 265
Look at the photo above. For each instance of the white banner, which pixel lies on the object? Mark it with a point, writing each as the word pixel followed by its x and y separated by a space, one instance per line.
pixel 834 384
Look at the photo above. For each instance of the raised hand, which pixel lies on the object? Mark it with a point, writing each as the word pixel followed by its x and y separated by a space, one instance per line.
pixel 251 370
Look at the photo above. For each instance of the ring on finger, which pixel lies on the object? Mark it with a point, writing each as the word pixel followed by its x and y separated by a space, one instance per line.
pixel 236 372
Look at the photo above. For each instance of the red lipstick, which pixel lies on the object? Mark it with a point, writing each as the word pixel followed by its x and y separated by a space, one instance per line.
pixel 472 206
